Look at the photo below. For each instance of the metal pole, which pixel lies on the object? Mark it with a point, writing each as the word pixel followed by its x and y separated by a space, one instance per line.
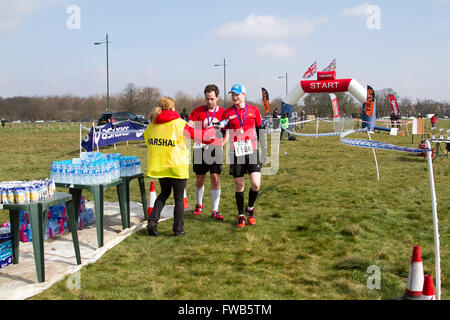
pixel 375 157
pixel 107 75
pixel 286 84
pixel 435 220
pixel 224 85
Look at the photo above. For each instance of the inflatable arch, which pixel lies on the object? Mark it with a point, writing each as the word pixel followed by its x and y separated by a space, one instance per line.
pixel 326 82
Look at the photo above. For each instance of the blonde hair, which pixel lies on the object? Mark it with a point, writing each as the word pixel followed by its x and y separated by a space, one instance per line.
pixel 165 103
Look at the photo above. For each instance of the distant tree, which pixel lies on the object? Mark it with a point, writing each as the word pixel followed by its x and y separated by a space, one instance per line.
pixel 384 108
pixel 406 107
pixel 184 101
pixel 130 98
pixel 148 100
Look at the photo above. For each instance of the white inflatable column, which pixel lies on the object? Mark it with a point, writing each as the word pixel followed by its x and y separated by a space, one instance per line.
pixel 294 95
pixel 358 91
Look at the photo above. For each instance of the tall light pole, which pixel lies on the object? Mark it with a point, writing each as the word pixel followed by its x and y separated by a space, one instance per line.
pixel 224 82
pixel 107 70
pixel 286 76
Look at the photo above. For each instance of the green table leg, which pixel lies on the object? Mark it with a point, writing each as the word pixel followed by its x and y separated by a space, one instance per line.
pixel 98 203
pixel 76 197
pixel 124 203
pixel 37 233
pixel 74 229
pixel 14 218
pixel 143 196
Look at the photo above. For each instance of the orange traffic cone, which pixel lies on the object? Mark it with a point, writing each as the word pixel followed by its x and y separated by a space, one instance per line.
pixel 151 198
pixel 415 278
pixel 403 133
pixel 185 201
pixel 428 288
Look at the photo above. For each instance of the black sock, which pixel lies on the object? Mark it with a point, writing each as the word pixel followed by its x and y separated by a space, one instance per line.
pixel 252 195
pixel 240 202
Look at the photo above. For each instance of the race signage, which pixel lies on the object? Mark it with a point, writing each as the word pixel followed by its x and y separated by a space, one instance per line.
pixel 314 86
pixel 112 133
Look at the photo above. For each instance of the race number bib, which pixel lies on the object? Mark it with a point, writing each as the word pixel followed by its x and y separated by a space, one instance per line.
pixel 242 148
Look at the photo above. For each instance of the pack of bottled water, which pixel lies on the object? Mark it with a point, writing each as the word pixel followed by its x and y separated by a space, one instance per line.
pixel 22 192
pixel 94 168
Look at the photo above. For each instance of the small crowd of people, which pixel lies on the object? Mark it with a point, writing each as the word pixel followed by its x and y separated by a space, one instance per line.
pixel 395 120
pixel 210 127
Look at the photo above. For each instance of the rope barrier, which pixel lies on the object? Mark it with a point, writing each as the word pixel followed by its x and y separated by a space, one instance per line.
pixel 374 144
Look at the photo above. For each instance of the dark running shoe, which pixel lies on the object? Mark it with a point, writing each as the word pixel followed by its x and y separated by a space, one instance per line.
pixel 152 228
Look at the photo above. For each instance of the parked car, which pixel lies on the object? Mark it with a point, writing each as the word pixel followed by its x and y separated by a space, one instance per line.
pixel 120 116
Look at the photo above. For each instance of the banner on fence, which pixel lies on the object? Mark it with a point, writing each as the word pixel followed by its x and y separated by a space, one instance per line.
pixel 112 133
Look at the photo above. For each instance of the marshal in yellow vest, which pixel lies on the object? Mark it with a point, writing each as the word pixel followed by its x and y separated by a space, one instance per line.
pixel 168 155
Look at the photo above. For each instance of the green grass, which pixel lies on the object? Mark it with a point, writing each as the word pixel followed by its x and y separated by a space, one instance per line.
pixel 322 220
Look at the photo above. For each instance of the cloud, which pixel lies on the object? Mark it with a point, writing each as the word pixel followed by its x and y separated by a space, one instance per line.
pixel 269 27
pixel 276 50
pixel 13 13
pixel 359 10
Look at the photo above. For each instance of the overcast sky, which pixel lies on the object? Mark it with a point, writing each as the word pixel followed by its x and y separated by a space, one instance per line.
pixel 47 45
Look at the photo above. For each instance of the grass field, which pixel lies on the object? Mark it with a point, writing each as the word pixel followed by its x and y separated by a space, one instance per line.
pixel 322 220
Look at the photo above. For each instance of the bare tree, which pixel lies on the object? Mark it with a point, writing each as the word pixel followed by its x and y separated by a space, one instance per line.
pixel 130 98
pixel 384 108
pixel 148 100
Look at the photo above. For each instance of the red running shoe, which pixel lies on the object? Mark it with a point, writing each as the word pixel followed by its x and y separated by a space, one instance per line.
pixel 241 222
pixel 198 209
pixel 250 216
pixel 216 215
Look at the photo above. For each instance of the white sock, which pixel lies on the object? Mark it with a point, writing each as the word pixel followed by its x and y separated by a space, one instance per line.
pixel 215 197
pixel 199 192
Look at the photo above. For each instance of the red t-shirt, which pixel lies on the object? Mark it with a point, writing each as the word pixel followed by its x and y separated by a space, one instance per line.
pixel 236 116
pixel 207 118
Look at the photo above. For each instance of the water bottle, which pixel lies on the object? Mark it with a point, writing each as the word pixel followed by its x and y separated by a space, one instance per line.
pixel 223 123
pixel 138 163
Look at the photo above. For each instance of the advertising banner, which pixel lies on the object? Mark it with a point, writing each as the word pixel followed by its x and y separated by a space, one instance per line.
pixel 394 104
pixel 112 133
pixel 334 105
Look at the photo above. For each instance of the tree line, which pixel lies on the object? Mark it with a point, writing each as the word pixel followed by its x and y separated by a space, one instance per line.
pixel 142 100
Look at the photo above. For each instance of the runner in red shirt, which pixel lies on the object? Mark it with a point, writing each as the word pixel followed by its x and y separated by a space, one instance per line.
pixel 208 154
pixel 244 122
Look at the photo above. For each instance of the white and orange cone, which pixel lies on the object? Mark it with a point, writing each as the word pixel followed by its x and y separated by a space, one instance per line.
pixel 151 198
pixel 185 201
pixel 415 278
pixel 428 288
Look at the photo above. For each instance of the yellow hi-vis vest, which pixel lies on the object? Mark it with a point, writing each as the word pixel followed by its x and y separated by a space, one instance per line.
pixel 168 155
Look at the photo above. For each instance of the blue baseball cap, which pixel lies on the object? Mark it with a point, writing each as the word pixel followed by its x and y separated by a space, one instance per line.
pixel 238 89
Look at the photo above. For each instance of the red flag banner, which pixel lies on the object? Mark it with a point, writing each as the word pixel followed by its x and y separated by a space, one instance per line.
pixel 265 99
pixel 334 105
pixel 394 104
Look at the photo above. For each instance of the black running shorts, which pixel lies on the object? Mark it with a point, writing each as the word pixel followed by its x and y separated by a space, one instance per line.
pixel 208 159
pixel 244 164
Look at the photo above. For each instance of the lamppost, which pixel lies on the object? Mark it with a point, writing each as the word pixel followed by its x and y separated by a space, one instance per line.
pixel 107 70
pixel 286 76
pixel 224 82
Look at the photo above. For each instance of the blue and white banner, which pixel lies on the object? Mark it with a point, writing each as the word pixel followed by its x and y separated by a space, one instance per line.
pixel 374 144
pixel 112 133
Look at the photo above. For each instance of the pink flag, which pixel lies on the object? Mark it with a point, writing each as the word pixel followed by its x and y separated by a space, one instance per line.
pixel 334 105
pixel 394 104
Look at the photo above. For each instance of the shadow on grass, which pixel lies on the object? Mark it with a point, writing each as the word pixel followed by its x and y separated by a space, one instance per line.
pixel 414 159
